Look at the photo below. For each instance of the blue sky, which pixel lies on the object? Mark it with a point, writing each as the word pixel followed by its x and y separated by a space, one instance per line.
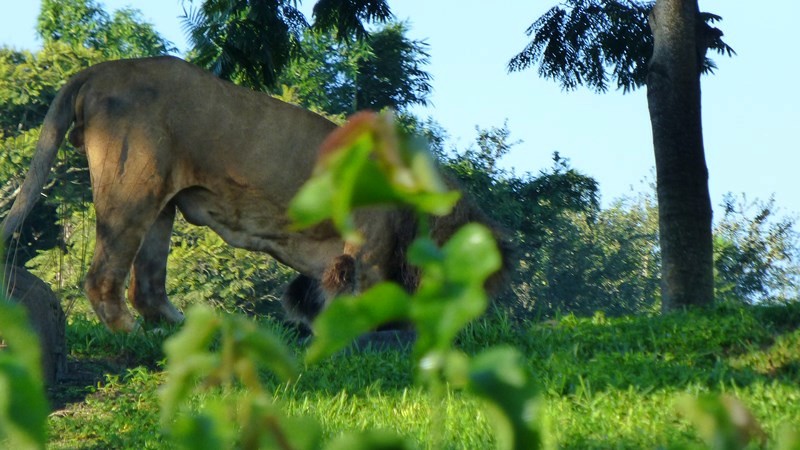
pixel 751 107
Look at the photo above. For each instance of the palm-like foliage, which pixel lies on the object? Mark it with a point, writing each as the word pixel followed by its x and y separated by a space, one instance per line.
pixel 590 42
pixel 249 41
pixel 252 41
pixel 347 17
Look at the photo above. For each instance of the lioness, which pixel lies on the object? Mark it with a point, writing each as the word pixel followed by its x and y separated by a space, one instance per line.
pixel 161 134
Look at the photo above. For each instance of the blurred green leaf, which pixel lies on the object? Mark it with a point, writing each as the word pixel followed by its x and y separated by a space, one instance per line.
pixel 471 255
pixel 348 317
pixel 188 358
pixel 723 422
pixel 23 407
pixel 268 428
pixel 196 335
pixel 259 345
pixel 313 203
pixel 498 375
pixel 16 331
pixel 365 163
pixel 212 428
pixel 245 420
pixel 370 440
pixel 451 290
pixel 243 348
pixel 788 438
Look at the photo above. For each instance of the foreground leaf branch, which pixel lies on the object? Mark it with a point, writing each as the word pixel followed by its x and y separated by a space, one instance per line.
pixel 370 162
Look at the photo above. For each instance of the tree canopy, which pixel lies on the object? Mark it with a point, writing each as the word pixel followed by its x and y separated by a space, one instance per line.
pixel 252 41
pixel 594 43
pixel 86 24
pixel 385 70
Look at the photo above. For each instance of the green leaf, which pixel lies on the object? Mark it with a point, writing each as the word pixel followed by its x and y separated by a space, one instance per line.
pixel 23 407
pixel 297 433
pixel 370 440
pixel 196 335
pixel 425 254
pixel 346 167
pixel 438 203
pixel 371 187
pixel 366 164
pixel 451 291
pixel 211 428
pixel 498 375
pixel 243 347
pixel 348 317
pixel 16 331
pixel 188 358
pixel 723 422
pixel 313 203
pixel 471 255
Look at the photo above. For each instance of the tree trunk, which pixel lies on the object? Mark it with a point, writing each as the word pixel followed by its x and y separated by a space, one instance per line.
pixel 684 204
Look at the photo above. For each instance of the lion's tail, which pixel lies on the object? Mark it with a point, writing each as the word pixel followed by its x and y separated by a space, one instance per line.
pixel 56 123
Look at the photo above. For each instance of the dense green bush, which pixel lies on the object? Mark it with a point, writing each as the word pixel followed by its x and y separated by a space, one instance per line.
pixel 577 257
pixel 202 268
pixel 756 253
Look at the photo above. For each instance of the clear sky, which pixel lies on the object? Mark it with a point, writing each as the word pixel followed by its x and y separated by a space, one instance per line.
pixel 751 107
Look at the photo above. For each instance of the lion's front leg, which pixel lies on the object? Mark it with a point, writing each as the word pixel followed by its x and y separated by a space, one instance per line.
pixel 147 290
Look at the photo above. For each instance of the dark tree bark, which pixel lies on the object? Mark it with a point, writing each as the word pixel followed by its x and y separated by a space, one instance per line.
pixel 684 204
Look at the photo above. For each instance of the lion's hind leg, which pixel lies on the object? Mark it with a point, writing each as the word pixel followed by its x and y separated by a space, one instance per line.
pixel 129 194
pixel 115 248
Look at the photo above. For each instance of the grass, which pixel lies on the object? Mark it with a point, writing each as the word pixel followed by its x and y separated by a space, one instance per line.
pixel 605 382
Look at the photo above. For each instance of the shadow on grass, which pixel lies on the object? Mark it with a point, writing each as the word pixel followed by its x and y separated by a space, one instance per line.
pixel 95 353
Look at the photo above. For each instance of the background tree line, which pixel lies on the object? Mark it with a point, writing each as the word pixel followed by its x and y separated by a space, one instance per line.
pixel 573 254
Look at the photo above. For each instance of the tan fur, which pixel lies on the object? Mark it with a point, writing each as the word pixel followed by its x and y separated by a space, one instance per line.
pixel 162 135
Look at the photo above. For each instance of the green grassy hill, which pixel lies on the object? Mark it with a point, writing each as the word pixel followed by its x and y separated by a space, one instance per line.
pixel 605 383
